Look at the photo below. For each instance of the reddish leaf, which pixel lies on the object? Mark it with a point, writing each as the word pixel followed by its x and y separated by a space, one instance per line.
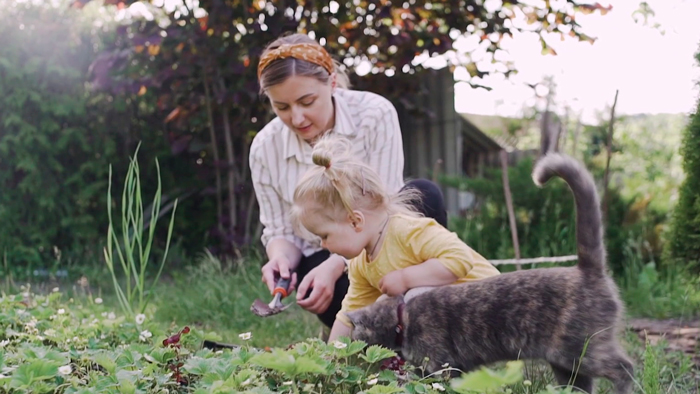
pixel 171 340
pixel 174 114
pixel 153 50
pixel 203 22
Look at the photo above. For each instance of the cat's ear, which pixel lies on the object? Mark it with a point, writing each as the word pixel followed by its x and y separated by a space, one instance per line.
pixel 355 317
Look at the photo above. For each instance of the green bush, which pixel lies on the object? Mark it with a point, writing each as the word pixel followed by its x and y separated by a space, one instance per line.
pixel 657 293
pixel 54 162
pixel 58 138
pixel 545 219
pixel 684 233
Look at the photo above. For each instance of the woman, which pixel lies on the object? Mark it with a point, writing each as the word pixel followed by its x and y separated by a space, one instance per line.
pixel 310 96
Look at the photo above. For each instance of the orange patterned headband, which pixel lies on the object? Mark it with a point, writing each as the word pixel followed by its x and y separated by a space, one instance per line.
pixel 312 53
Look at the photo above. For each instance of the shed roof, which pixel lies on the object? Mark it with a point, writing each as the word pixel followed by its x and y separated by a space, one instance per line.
pixel 477 138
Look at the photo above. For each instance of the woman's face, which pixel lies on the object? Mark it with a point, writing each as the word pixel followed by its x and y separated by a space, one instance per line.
pixel 304 104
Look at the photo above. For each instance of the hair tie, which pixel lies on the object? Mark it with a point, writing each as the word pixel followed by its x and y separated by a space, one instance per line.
pixel 328 165
pixel 310 52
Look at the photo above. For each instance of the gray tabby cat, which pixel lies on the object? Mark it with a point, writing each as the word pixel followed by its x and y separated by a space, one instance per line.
pixel 548 313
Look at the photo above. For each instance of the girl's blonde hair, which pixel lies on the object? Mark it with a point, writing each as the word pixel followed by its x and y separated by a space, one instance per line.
pixel 341 184
pixel 279 70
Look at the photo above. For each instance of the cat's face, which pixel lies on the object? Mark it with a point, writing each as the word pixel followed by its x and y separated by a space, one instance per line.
pixel 376 324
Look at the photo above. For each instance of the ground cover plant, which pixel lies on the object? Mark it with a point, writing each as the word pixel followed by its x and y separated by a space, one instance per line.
pixel 53 343
pixel 50 344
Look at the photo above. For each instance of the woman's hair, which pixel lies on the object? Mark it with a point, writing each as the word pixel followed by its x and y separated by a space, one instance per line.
pixel 340 184
pixel 280 69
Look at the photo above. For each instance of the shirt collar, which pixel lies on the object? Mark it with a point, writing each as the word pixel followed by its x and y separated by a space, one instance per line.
pixel 295 146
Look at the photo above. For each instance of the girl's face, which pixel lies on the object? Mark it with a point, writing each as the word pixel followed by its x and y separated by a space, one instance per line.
pixel 304 104
pixel 341 236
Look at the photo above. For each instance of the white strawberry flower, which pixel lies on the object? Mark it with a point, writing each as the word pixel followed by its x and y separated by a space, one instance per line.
pixel 65 370
pixel 245 336
pixel 339 345
pixel 144 335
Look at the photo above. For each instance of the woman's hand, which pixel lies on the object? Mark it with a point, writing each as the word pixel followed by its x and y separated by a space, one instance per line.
pixel 284 258
pixel 322 279
pixel 394 283
pixel 278 267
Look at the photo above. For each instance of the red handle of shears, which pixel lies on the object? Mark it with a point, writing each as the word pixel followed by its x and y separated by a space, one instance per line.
pixel 282 287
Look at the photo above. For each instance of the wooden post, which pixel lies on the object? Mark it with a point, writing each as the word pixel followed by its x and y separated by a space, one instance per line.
pixel 577 131
pixel 564 134
pixel 509 205
pixel 606 178
pixel 557 128
pixel 436 170
pixel 545 134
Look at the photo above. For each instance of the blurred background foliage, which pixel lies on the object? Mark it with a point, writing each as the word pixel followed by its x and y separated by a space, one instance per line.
pixel 83 82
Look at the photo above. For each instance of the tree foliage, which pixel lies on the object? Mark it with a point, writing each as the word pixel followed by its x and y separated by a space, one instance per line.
pixel 52 157
pixel 684 234
pixel 58 139
pixel 546 218
pixel 198 67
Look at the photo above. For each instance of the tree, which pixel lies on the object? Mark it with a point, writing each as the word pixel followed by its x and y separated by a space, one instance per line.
pixel 684 233
pixel 199 67
pixel 53 153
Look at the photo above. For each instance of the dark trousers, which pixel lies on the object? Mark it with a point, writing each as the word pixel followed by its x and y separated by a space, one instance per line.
pixel 432 205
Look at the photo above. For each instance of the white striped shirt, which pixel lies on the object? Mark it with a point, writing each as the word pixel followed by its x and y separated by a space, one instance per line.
pixel 278 158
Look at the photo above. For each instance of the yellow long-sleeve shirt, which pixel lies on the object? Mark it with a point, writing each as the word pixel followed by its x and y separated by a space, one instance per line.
pixel 410 241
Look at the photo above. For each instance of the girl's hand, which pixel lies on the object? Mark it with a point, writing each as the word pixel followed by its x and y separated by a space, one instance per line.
pixel 394 283
pixel 322 280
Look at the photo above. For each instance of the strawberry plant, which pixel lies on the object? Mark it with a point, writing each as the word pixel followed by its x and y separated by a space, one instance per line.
pixel 50 345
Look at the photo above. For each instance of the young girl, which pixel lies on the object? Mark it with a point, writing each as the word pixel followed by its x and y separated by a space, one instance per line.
pixel 391 247
pixel 310 97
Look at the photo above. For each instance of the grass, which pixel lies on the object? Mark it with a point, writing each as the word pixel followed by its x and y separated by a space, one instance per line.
pixel 660 371
pixel 659 294
pixel 216 296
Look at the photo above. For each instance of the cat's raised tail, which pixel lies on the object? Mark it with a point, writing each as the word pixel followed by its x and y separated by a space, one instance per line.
pixel 589 229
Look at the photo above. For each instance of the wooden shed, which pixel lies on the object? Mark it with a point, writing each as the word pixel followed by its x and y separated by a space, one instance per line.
pixel 478 149
pixel 444 140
